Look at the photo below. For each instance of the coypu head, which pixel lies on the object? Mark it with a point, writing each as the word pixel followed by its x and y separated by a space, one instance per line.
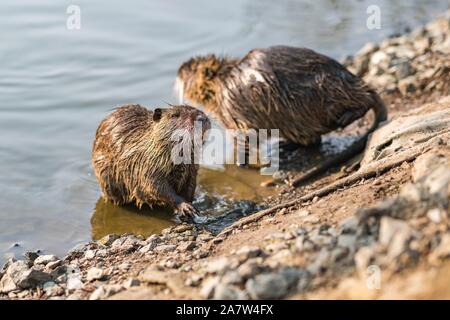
pixel 197 79
pixel 179 121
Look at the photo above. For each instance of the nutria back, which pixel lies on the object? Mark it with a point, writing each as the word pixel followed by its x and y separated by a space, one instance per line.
pixel 300 92
pixel 132 157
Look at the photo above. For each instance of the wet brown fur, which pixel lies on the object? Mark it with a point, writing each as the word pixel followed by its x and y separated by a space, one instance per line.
pixel 132 156
pixel 302 93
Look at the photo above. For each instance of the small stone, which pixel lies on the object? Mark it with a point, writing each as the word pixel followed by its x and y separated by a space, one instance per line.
pixel 394 234
pixel 204 237
pixel 320 263
pixel 94 274
pixel 312 219
pixel 193 280
pixel 124 266
pixel 347 241
pixel 218 265
pixel 108 240
pixel 166 230
pixel 232 277
pixel 186 246
pixel 105 291
pixel 53 265
pixel 267 286
pixel 148 247
pixel 277 246
pixel 435 215
pixel 315 199
pixel 249 269
pixel 363 258
pixel 293 275
pixel 443 250
pixel 227 292
pixel 403 70
pixel 74 283
pixel 321 240
pixel 98 294
pixel 51 289
pixel 131 282
pixel 101 253
pixel 163 248
pixel 182 228
pixel 303 213
pixel 208 287
pixel 407 85
pixel 45 259
pixel 89 254
pixel 249 252
pixel 411 192
pixel 200 254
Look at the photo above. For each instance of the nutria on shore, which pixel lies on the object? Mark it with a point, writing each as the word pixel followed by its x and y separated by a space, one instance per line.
pixel 132 156
pixel 302 93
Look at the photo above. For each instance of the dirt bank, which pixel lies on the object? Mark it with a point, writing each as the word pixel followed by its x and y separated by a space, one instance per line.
pixel 381 231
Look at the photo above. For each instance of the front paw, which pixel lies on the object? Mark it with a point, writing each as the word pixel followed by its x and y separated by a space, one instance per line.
pixel 186 209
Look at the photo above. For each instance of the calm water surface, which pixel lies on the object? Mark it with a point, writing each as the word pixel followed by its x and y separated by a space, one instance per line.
pixel 56 85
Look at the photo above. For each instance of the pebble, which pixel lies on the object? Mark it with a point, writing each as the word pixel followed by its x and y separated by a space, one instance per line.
pixel 435 215
pixel 89 254
pixel 186 246
pixel 105 291
pixel 208 287
pixel 312 219
pixel 94 273
pixel 443 250
pixel 267 286
pixel 131 282
pixel 45 259
pixel 302 213
pixel 226 292
pixel 182 228
pixel 218 265
pixel 108 239
pixel 277 246
pixel 247 252
pixel 74 283
pixel 347 241
pixel 162 248
pixel 394 234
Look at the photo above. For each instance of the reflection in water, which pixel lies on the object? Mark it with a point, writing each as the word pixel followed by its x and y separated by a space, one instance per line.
pixel 111 219
pixel 220 205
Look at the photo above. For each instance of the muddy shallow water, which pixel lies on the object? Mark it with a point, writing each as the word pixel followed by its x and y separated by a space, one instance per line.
pixel 57 84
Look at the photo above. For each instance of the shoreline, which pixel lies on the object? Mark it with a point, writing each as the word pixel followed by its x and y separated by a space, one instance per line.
pixel 396 221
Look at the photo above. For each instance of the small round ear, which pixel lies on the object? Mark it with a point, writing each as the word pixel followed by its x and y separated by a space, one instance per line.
pixel 157 114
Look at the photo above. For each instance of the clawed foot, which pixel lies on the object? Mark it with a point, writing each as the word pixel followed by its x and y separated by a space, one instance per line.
pixel 187 210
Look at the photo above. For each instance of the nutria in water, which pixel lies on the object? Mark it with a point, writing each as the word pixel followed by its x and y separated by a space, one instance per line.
pixel 302 93
pixel 132 156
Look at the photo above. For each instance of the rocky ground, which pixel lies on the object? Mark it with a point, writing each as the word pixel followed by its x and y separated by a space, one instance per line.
pixel 379 232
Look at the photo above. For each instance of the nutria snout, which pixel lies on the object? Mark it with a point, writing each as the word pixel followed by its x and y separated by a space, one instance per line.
pixel 302 93
pixel 133 160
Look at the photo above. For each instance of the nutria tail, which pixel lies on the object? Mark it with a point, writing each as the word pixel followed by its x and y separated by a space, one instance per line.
pixel 357 147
